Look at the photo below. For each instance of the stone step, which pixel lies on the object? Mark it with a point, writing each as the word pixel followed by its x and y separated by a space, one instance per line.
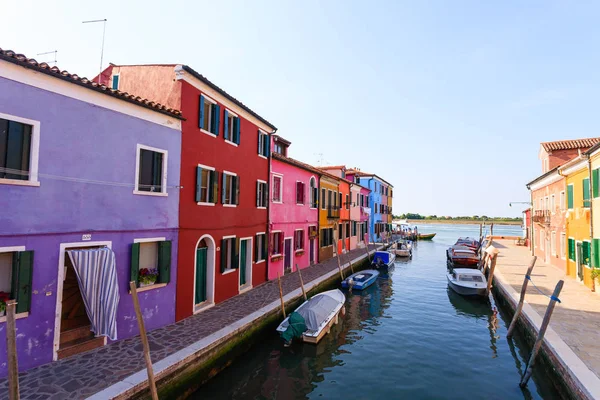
pixel 76 333
pixel 79 346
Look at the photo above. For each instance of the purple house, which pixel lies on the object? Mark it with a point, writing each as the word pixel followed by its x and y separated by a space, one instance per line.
pixel 89 197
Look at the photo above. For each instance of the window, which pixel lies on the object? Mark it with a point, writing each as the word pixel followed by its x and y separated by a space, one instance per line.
pixel 553 243
pixel 353 228
pixel 586 250
pixel 330 202
pixel 552 204
pixel 366 201
pixel 151 261
pixel 276 243
pixel 340 231
pixel 208 115
pixel 570 197
pixel 261 194
pixel 314 193
pixel 562 200
pixel 347 229
pixel 230 189
pixel 326 237
pixel 151 176
pixel 115 82
pixel 229 254
pixel 547 203
pixel 260 247
pixel 571 249
pixel 231 127
pixel 300 189
pixel 339 203
pixel 323 206
pixel 376 209
pixel 541 207
pixel 586 192
pixel 263 144
pixel 347 202
pixel 19 146
pixel 206 185
pixel 299 240
pixel 16 271
pixel 596 183
pixel 563 246
pixel 277 188
pixel 280 148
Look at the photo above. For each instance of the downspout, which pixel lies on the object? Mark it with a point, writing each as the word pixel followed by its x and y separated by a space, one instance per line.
pixel 372 215
pixel 268 227
pixel 592 251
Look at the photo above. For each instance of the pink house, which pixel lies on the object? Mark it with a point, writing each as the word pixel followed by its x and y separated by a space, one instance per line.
pixel 294 214
pixel 365 213
pixel 355 215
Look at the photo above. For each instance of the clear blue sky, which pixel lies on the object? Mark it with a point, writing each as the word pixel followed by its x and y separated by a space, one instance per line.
pixel 447 100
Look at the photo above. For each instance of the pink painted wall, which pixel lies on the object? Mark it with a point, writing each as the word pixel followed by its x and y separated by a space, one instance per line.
pixel 354 214
pixel 289 216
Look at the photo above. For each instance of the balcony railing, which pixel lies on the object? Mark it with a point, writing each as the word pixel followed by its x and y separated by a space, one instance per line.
pixel 333 212
pixel 542 217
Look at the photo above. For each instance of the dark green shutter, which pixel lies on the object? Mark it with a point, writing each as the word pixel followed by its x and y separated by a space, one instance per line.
pixel 135 264
pixel 201 112
pixel 570 197
pixel 571 249
pixel 14 276
pixel 22 279
pixel 164 261
pixel 256 248
pixel 265 246
pixel 596 253
pixel 236 130
pixel 199 184
pixel 266 145
pixel 223 188
pixel 214 186
pixel 257 194
pixel 226 125
pixel 586 192
pixel 215 120
pixel 596 182
pixel 223 254
pixel 236 258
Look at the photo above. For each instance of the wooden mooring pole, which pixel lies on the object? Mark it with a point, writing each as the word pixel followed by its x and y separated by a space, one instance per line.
pixel 337 256
pixel 367 249
pixel 480 230
pixel 281 295
pixel 513 323
pixel 146 346
pixel 490 277
pixel 348 256
pixel 301 283
pixel 11 349
pixel 540 338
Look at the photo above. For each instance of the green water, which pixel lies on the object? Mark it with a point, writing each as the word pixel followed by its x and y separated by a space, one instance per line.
pixel 407 337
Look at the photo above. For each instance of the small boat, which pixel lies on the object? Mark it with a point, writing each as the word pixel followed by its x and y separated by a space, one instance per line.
pixel 426 236
pixel 468 242
pixel 314 318
pixel 467 282
pixel 383 260
pixel 463 256
pixel 360 280
pixel 403 249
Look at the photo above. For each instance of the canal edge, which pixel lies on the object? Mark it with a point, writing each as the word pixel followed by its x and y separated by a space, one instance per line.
pixel 167 369
pixel 575 375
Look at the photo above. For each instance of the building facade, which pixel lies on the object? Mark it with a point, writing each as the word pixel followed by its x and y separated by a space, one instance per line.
pixel 329 215
pixel 224 164
pixel 378 201
pixel 83 167
pixel 594 164
pixel 344 226
pixel 355 220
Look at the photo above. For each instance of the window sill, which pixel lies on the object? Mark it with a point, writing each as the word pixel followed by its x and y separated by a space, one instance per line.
pixel 261 156
pixel 156 194
pixel 229 271
pixel 259 262
pixel 201 203
pixel 261 208
pixel 17 316
pixel 208 133
pixel 231 143
pixel 300 204
pixel 229 205
pixel 277 202
pixel 150 287
pixel 18 182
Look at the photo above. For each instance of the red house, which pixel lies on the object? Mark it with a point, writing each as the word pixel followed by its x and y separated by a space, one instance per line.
pixel 224 173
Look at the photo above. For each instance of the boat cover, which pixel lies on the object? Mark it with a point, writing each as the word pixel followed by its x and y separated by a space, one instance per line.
pixel 384 256
pixel 317 310
pixel 296 327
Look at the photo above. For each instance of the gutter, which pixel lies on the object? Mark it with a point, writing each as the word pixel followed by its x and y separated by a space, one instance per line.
pixel 591 188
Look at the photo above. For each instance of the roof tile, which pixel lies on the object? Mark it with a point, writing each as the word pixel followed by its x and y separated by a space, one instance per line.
pixel 570 144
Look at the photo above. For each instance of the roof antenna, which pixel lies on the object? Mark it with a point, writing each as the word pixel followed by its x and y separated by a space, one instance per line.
pixel 101 51
pixel 49 52
pixel 320 159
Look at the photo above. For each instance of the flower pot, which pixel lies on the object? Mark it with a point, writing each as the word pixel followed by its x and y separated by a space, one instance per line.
pixel 146 281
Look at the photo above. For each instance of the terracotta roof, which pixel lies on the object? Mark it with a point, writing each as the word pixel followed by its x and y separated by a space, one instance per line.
pixel 23 61
pixel 360 173
pixel 227 95
pixel 333 167
pixel 570 144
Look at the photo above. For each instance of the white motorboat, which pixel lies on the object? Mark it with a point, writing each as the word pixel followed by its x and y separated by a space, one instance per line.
pixel 467 281
pixel 314 318
pixel 403 248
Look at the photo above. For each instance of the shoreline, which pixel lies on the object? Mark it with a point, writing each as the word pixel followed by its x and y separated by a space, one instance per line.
pixel 462 222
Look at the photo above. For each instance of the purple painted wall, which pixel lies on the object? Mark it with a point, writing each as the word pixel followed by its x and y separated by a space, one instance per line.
pixel 84 141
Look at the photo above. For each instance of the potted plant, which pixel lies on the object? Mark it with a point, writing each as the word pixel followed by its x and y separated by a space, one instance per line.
pixel 148 276
pixel 595 275
pixel 4 297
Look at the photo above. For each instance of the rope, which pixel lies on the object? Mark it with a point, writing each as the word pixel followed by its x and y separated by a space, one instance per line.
pixel 542 293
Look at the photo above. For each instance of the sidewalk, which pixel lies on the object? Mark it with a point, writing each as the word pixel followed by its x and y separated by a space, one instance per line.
pixel 85 374
pixel 575 321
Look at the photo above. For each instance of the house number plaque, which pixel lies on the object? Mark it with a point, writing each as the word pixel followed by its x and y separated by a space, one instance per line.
pixel 87 236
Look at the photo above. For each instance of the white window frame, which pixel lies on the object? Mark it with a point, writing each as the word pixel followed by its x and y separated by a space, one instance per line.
pixel 563 246
pixel 553 204
pixel 311 202
pixel 563 201
pixel 204 203
pixel 294 241
pixel 261 197
pixel 281 253
pixel 232 189
pixel 303 194
pixel 280 187
pixel 553 243
pixel 150 240
pixel 13 249
pixel 214 103
pixel 266 136
pixel 230 126
pixel 163 185
pixel 228 269
pixel 257 261
pixel 34 152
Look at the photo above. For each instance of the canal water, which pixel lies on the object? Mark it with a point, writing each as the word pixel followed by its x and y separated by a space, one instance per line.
pixel 406 337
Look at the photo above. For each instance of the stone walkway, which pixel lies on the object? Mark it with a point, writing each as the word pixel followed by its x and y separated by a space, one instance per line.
pixel 576 319
pixel 83 375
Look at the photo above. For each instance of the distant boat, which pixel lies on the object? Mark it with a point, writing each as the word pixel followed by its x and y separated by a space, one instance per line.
pixel 402 248
pixel 467 282
pixel 383 260
pixel 360 280
pixel 426 236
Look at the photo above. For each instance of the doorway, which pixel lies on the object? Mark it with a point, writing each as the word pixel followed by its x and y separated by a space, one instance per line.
pixel 204 274
pixel 287 255
pixel 579 257
pixel 201 273
pixel 311 251
pixel 245 264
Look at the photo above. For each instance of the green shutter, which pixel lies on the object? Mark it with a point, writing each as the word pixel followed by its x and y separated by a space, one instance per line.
pixel 265 246
pixel 223 255
pixel 164 261
pixel 266 145
pixel 215 120
pixel 21 280
pixel 586 192
pixel 236 257
pixel 214 186
pixel 257 194
pixel 596 253
pixel 596 182
pixel 226 125
pixel 199 184
pixel 135 264
pixel 571 249
pixel 236 130
pixel 201 112
pixel 570 197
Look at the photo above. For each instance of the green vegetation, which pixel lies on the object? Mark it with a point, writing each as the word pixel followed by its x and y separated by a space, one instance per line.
pixel 474 218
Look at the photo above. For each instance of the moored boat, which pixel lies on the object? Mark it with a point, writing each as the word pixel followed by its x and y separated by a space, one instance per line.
pixel 426 236
pixel 314 318
pixel 383 260
pixel 360 280
pixel 467 282
pixel 403 248
pixel 463 256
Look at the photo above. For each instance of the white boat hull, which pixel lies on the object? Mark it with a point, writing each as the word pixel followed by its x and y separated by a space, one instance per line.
pixel 467 282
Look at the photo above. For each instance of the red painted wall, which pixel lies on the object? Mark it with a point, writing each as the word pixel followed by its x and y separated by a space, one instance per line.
pixel 245 220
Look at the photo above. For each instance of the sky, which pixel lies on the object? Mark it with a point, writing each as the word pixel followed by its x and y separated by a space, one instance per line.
pixel 446 100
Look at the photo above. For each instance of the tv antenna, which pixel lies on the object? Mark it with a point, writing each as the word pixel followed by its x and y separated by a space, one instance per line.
pixel 319 159
pixel 103 32
pixel 49 52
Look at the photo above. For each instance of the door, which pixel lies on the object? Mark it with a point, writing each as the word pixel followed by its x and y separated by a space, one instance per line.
pixel 547 250
pixel 312 251
pixel 245 262
pixel 287 261
pixel 201 258
pixel 579 261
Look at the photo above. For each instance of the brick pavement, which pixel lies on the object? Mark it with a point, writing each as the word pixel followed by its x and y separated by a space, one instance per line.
pixel 85 374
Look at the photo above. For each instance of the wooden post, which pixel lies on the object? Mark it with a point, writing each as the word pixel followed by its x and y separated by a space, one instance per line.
pixel 490 277
pixel 301 282
pixel 367 250
pixel 492 229
pixel 11 349
pixel 348 257
pixel 140 319
pixel 540 338
pixel 513 323
pixel 337 256
pixel 281 295
pixel 480 230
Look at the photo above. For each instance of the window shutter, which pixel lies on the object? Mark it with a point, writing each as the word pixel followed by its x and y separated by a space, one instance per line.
pixel 298 195
pixel 236 258
pixel 256 248
pixel 260 145
pixel 164 261
pixel 226 125
pixel 201 112
pixel 570 197
pixel 596 253
pixel 265 247
pixel 214 186
pixel 237 189
pixel 586 191
pixel 266 145
pixel 596 182
pixel 266 195
pixel 199 184
pixel 257 194
pixel 157 161
pixel 135 264
pixel 215 120
pixel 223 188
pixel 236 130
pixel 22 287
pixel 223 254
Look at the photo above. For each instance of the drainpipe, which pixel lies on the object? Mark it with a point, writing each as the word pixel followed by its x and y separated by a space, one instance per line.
pixel 372 215
pixel 592 252
pixel 268 227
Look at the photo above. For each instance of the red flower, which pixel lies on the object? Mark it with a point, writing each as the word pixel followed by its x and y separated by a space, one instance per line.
pixel 4 297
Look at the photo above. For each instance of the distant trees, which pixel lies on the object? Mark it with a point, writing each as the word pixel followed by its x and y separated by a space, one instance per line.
pixel 416 216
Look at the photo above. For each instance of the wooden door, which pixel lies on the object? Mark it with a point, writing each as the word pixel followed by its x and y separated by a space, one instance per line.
pixel 73 313
pixel 201 257
pixel 287 263
pixel 243 261
pixel 312 251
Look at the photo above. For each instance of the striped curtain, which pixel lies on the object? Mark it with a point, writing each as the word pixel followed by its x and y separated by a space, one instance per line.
pixel 97 278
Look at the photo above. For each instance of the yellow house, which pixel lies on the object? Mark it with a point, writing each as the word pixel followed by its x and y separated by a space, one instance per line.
pixel 578 219
pixel 594 164
pixel 329 215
